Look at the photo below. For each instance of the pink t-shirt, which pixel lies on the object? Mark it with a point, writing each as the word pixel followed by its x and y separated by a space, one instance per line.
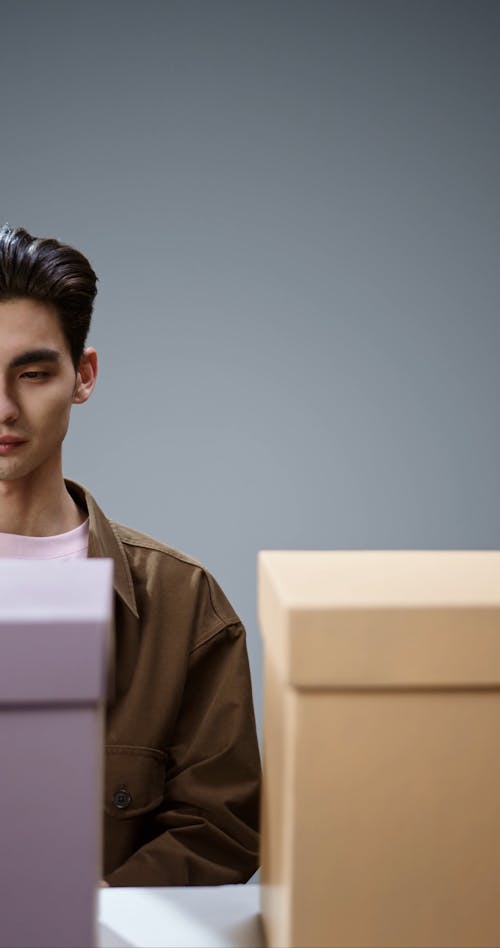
pixel 64 546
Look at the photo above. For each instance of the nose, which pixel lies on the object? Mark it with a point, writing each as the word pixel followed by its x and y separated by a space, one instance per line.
pixel 9 410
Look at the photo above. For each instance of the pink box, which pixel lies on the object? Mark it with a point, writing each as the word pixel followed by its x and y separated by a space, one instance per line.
pixel 54 642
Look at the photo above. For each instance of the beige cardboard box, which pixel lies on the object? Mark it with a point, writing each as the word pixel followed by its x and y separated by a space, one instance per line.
pixel 381 799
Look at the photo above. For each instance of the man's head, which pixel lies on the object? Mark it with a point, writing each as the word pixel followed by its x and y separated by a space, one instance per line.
pixel 43 269
pixel 46 294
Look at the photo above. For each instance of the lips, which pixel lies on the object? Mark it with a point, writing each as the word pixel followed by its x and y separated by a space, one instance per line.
pixel 9 444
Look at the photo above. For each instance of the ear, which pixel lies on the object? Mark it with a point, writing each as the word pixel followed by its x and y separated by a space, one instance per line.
pixel 85 376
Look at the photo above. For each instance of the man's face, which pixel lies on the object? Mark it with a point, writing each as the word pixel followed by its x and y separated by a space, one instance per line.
pixel 38 385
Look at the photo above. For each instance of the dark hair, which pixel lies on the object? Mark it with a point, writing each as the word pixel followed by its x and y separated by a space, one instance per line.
pixel 44 269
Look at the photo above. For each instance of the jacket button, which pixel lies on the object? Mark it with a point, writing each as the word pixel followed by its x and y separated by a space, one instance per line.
pixel 122 799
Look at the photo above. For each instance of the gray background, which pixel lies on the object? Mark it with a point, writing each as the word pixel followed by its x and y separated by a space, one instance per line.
pixel 293 208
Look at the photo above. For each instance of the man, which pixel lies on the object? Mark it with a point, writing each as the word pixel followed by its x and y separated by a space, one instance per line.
pixel 182 763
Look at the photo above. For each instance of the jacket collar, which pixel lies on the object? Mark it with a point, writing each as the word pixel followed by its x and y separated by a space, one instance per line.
pixel 104 542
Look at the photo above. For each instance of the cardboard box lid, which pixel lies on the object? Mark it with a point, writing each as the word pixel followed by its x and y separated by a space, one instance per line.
pixel 382 618
pixel 54 630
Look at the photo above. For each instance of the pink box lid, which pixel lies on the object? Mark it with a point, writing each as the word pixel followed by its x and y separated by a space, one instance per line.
pixel 55 621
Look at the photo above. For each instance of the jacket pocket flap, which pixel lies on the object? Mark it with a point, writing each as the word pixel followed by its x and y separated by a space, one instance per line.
pixel 134 780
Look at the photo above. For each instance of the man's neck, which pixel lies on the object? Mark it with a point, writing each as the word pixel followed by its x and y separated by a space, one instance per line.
pixel 35 513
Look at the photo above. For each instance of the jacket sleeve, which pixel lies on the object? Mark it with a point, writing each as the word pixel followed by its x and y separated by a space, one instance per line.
pixel 206 831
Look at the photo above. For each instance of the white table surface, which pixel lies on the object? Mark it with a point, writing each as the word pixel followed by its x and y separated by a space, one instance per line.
pixel 224 916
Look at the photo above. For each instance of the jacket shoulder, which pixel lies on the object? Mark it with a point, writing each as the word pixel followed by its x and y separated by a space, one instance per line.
pixel 174 574
pixel 131 537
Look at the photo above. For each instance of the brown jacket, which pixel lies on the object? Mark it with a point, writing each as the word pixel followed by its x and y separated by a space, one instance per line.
pixel 182 763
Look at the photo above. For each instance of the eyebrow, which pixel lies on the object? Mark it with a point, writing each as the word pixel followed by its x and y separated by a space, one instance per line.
pixel 35 355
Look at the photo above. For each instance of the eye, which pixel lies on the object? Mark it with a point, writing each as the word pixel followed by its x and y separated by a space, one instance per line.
pixel 35 376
